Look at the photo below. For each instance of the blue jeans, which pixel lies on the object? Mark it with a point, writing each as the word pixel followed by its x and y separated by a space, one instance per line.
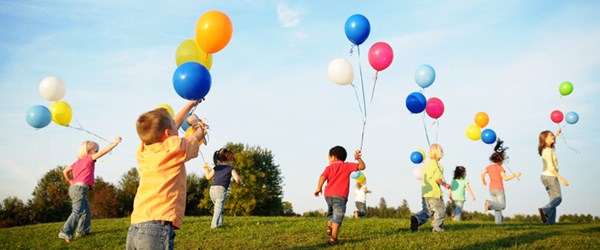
pixel 553 188
pixel 498 203
pixel 218 194
pixel 80 219
pixel 432 207
pixel 336 209
pixel 151 235
pixel 361 208
pixel 458 208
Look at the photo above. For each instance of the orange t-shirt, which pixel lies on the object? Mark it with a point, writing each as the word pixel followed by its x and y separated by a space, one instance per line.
pixel 161 194
pixel 494 171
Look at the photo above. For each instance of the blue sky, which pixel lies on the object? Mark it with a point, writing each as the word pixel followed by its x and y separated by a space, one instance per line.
pixel 270 88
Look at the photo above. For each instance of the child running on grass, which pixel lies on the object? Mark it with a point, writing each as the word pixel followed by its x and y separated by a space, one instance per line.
pixel 457 195
pixel 337 175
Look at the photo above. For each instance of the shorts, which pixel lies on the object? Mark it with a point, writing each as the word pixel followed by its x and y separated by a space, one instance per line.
pixel 336 208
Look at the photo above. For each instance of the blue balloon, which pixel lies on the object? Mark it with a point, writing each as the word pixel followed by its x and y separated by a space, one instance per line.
pixel 572 117
pixel 416 102
pixel 38 116
pixel 424 75
pixel 355 174
pixel 488 136
pixel 357 29
pixel 191 81
pixel 416 157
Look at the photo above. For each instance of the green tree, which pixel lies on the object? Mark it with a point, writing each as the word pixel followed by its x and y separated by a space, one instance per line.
pixel 195 187
pixel 404 211
pixel 127 188
pixel 287 208
pixel 103 199
pixel 13 212
pixel 51 200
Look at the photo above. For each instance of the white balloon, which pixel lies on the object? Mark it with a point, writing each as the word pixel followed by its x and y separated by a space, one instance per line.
pixel 340 71
pixel 52 88
pixel 417 173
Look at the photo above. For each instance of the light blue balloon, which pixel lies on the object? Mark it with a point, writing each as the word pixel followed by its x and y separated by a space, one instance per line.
pixel 355 174
pixel 572 117
pixel 424 75
pixel 38 116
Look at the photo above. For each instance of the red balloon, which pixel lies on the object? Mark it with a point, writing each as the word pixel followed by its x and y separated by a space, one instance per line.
pixel 556 116
pixel 381 56
pixel 435 107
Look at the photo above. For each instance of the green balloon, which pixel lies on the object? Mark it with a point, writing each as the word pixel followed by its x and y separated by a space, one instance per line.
pixel 565 88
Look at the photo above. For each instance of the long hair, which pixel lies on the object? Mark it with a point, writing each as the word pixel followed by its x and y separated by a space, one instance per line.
pixel 222 155
pixel 460 172
pixel 542 143
pixel 499 154
pixel 85 148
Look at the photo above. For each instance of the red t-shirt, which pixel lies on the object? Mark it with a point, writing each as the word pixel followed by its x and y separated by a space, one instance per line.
pixel 494 171
pixel 337 175
pixel 83 170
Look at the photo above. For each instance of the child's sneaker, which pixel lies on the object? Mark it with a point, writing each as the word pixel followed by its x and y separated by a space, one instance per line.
pixel 414 223
pixel 64 237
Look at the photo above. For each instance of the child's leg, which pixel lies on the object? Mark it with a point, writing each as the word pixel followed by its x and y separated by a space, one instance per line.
pixel 458 207
pixel 423 215
pixel 150 235
pixel 217 196
pixel 436 206
pixel 77 194
pixel 338 205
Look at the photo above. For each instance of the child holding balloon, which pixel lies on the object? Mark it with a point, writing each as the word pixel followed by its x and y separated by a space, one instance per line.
pixel 432 202
pixel 550 176
pixel 459 184
pixel 159 203
pixel 337 175
pixel 497 176
pixel 81 177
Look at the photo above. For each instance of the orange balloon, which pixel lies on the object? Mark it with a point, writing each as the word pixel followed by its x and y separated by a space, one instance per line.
pixel 213 31
pixel 481 119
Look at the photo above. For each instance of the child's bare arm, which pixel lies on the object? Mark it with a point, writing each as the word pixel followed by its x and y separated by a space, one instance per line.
pixel 358 157
pixel 209 173
pixel 470 191
pixel 236 177
pixel 507 177
pixel 320 186
pixel 67 173
pixel 182 114
pixel 483 177
pixel 441 182
pixel 563 180
pixel 107 149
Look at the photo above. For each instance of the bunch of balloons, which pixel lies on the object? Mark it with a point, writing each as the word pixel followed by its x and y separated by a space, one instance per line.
pixel 417 157
pixel 192 79
pixel 474 131
pixel 416 101
pixel 52 89
pixel 565 89
pixel 359 176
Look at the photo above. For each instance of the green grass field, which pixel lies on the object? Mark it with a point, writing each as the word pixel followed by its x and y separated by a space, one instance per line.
pixel 309 233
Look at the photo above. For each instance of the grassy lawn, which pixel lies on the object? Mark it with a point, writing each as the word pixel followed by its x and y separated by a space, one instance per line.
pixel 309 233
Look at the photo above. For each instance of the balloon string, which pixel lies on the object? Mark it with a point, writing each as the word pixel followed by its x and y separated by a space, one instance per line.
pixel 374 84
pixel 511 172
pixel 362 85
pixel 437 129
pixel 426 133
pixel 80 128
pixel 566 143
pixel 362 137
pixel 358 101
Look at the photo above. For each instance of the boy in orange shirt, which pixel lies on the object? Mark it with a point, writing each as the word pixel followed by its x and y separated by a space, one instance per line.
pixel 159 203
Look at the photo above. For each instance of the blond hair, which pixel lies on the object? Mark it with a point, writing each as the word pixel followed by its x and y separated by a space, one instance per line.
pixel 151 125
pixel 85 148
pixel 436 152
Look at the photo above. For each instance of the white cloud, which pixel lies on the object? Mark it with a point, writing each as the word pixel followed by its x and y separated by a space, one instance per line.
pixel 287 16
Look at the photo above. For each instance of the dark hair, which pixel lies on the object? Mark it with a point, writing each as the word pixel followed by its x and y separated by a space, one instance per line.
pixel 542 141
pixel 499 154
pixel 222 155
pixel 338 152
pixel 460 172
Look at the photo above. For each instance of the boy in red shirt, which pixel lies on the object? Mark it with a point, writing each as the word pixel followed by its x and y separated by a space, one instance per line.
pixel 337 175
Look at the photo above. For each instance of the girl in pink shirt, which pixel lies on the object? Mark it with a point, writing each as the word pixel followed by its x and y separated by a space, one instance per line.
pixel 497 175
pixel 81 177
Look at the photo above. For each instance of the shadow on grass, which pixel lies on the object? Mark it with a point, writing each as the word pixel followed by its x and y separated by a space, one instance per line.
pixel 511 241
pixel 591 230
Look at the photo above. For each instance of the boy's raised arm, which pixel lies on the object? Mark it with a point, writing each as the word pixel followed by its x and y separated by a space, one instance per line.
pixel 182 114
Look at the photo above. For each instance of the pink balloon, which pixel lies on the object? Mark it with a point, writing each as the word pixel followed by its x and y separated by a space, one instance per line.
pixel 434 108
pixel 380 56
pixel 556 116
pixel 417 173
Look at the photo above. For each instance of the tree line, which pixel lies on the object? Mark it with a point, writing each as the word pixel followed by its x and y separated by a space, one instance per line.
pixel 260 195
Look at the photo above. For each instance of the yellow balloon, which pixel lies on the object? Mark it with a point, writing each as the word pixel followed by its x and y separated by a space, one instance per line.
pixel 168 108
pixel 189 51
pixel 473 132
pixel 422 152
pixel 361 178
pixel 61 113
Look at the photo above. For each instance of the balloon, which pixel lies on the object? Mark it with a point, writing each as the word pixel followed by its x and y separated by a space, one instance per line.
pixel 213 31
pixel 355 174
pixel 185 125
pixel 481 119
pixel 61 113
pixel 488 136
pixel 192 81
pixel 381 56
pixel 424 75
pixel 361 178
pixel 473 132
pixel 565 88
pixel 422 153
pixel 556 116
pixel 572 117
pixel 416 102
pixel 52 88
pixel 168 108
pixel 340 71
pixel 188 51
pixel 357 29
pixel 417 173
pixel 38 116
pixel 435 108
pixel 416 157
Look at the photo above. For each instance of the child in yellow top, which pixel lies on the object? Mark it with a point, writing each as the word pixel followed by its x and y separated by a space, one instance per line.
pixel 159 203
